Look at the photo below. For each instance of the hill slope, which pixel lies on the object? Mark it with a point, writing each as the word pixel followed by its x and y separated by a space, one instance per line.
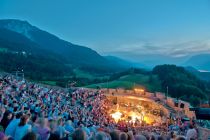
pixel 201 62
pixel 75 55
pixel 124 63
pixel 182 84
pixel 18 52
pixel 131 81
pixel 201 75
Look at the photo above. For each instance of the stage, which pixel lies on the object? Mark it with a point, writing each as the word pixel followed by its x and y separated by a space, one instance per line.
pixel 136 110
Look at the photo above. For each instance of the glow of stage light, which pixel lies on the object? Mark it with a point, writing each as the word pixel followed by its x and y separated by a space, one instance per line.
pixel 116 116
pixel 148 119
pixel 134 117
pixel 139 90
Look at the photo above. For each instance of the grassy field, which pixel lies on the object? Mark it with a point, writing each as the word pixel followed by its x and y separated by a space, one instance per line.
pixel 132 81
pixel 52 83
pixel 82 74
pixel 79 74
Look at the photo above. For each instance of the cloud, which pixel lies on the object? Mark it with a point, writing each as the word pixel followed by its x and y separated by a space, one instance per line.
pixel 190 48
pixel 177 49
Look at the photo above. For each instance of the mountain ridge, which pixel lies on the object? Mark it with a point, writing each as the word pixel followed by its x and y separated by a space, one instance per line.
pixel 76 55
pixel 20 53
pixel 200 61
pixel 201 75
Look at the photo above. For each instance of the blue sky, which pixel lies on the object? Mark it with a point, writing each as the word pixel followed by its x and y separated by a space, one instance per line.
pixel 121 27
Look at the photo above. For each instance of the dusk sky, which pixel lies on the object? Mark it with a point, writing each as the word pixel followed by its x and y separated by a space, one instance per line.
pixel 121 27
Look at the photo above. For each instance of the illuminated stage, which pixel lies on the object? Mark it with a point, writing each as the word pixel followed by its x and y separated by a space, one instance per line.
pixel 136 110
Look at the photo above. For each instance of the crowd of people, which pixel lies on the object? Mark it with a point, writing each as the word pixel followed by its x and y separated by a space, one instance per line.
pixel 31 111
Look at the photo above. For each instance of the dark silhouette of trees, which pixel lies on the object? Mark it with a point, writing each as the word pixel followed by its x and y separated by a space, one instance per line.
pixel 182 84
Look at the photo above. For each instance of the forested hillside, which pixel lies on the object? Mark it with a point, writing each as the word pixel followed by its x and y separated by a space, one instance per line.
pixel 182 84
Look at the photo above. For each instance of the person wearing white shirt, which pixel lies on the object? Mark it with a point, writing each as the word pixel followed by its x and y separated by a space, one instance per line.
pixel 191 133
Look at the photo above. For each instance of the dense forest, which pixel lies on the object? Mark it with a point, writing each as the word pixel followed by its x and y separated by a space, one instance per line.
pixel 116 76
pixel 182 84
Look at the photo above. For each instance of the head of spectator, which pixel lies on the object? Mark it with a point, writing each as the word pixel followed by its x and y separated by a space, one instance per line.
pixel 6 119
pixel 100 136
pixel 152 137
pixel 123 136
pixel 115 135
pixel 79 134
pixel 34 118
pixel 180 138
pixel 160 138
pixel 23 120
pixel 130 135
pixel 19 115
pixel 30 136
pixel 54 136
pixel 172 135
pixel 191 126
pixel 52 125
pixel 60 122
pixel 140 137
pixel 42 122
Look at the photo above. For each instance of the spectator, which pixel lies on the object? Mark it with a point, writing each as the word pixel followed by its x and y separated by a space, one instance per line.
pixel 61 131
pixel 30 136
pixel 81 114
pixel 123 136
pixel 101 136
pixel 6 119
pixel 3 136
pixel 42 129
pixel 23 128
pixel 10 130
pixel 79 134
pixel 180 138
pixel 115 135
pixel 54 136
pixel 191 133
pixel 68 126
pixel 140 137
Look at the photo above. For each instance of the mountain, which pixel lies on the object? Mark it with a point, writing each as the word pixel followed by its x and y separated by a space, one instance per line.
pixel 149 61
pixel 123 62
pixel 201 75
pixel 18 52
pixel 200 62
pixel 75 55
